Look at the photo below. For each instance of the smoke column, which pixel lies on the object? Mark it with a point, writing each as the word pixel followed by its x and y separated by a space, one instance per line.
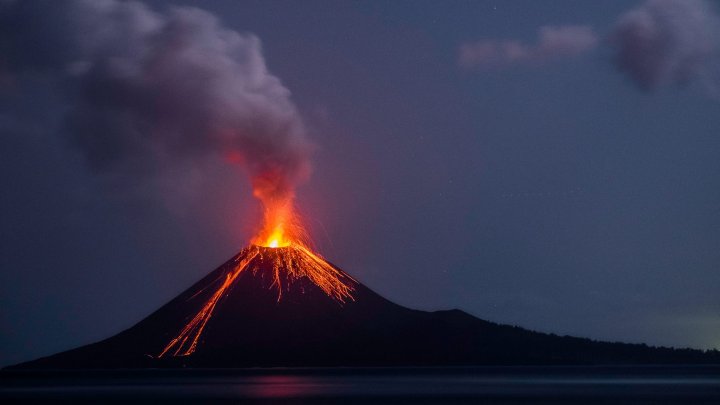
pixel 146 87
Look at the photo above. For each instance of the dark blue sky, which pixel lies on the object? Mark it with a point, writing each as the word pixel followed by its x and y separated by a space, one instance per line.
pixel 556 193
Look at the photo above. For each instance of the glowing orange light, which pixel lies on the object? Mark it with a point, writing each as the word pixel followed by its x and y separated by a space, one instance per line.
pixel 291 259
pixel 276 239
pixel 186 342
pixel 280 225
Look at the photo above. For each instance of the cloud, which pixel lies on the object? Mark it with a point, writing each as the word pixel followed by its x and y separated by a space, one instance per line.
pixel 145 88
pixel 666 42
pixel 554 42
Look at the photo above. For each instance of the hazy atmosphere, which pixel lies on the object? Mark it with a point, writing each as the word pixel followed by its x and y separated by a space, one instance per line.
pixel 552 165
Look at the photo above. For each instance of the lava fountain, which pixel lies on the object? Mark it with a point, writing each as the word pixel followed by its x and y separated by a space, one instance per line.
pixel 282 241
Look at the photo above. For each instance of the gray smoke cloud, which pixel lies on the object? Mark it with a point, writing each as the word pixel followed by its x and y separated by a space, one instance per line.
pixel 554 42
pixel 658 43
pixel 144 87
pixel 664 42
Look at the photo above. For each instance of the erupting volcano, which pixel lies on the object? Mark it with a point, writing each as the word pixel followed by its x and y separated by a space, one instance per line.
pixel 279 248
pixel 278 303
pixel 282 246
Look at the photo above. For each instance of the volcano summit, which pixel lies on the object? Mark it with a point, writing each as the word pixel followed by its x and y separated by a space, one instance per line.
pixel 287 306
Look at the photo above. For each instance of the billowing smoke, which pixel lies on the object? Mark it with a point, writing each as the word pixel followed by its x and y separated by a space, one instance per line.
pixel 554 42
pixel 145 87
pixel 665 42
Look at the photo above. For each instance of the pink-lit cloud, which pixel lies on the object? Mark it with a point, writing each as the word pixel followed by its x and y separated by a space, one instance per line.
pixel 667 42
pixel 553 42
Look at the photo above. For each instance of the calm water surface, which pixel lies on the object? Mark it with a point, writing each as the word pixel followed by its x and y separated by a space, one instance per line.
pixel 488 385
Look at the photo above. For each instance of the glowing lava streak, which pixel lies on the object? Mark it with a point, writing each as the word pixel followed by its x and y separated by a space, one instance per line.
pixel 281 244
pixel 297 261
pixel 186 342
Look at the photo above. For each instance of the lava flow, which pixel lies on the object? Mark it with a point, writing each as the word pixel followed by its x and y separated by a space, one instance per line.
pixel 284 243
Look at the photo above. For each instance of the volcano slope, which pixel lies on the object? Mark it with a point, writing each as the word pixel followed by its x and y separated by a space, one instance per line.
pixel 266 317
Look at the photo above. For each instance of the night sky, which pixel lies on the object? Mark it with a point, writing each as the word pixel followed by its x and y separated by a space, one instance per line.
pixel 553 165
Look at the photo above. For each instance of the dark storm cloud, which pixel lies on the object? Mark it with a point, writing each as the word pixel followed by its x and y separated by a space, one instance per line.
pixel 665 42
pixel 149 87
pixel 554 42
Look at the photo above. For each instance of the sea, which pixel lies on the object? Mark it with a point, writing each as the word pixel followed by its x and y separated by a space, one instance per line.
pixel 464 385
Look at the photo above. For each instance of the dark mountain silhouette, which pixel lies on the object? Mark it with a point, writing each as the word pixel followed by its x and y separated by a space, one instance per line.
pixel 250 327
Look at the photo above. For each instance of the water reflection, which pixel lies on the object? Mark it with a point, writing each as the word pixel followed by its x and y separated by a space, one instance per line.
pixel 490 385
pixel 284 386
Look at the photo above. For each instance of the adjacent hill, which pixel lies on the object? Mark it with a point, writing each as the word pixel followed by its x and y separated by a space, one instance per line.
pixel 251 327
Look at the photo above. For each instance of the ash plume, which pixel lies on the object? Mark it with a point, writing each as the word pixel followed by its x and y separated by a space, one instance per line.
pixel 665 42
pixel 145 87
pixel 554 42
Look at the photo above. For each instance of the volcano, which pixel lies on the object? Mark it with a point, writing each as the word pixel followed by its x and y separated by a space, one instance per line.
pixel 265 308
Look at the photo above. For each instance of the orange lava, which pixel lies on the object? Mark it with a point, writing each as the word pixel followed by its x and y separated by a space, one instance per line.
pixel 297 261
pixel 280 226
pixel 186 342
pixel 282 241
